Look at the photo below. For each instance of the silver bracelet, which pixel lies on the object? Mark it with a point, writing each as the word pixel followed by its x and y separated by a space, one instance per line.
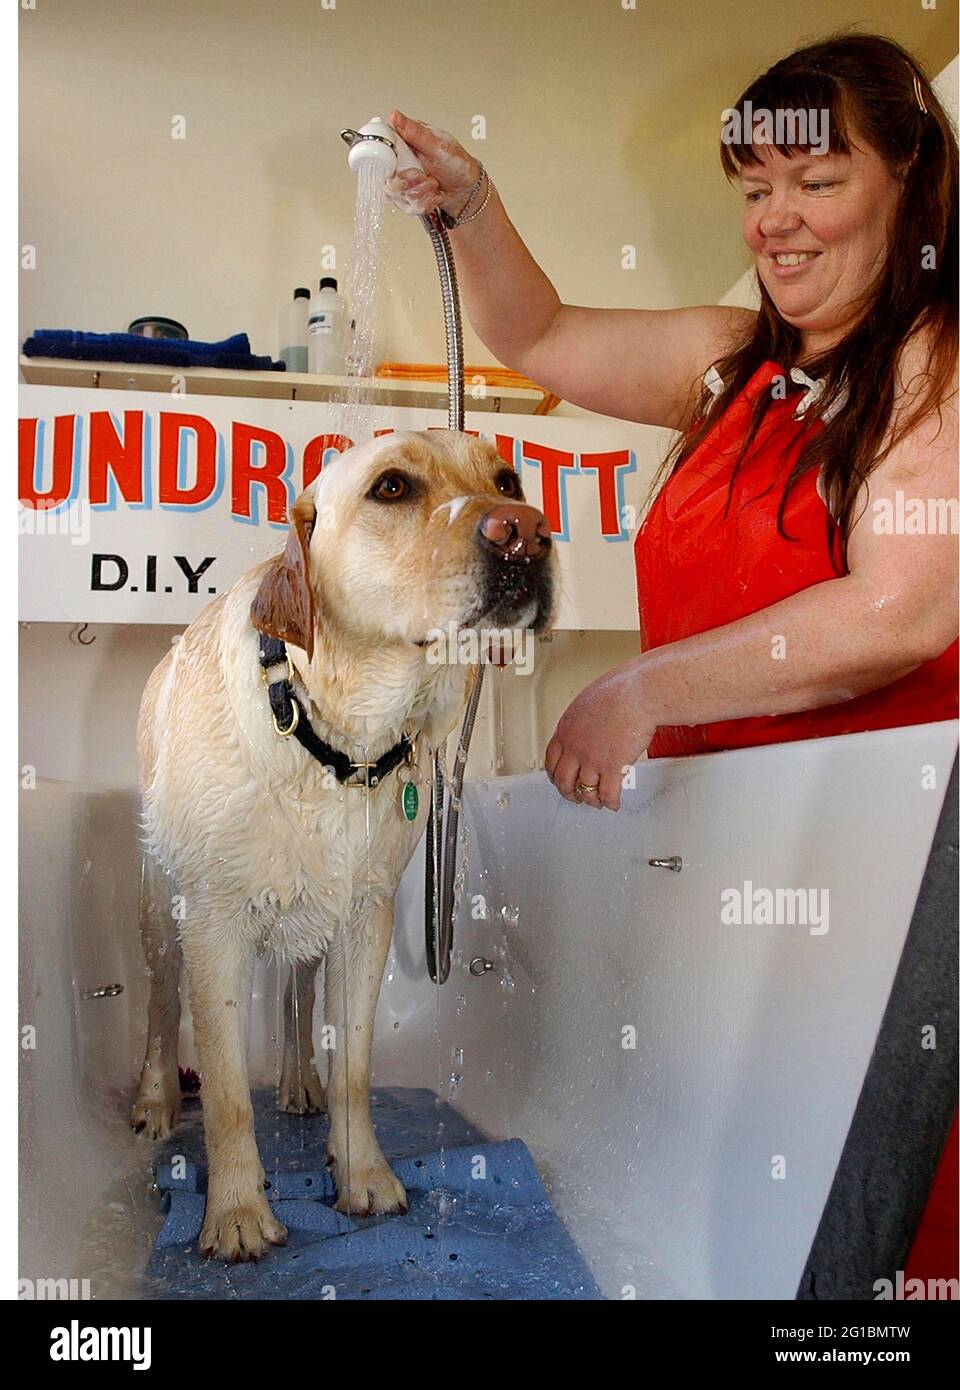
pixel 486 198
pixel 459 220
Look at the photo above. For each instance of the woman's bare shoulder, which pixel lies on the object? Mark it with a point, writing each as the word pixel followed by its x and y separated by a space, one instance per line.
pixel 916 369
pixel 922 433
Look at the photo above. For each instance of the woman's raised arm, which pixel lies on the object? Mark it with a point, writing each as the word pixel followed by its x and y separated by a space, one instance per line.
pixel 633 364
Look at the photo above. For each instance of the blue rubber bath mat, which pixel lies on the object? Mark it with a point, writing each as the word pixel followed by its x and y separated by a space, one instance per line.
pixel 474 1230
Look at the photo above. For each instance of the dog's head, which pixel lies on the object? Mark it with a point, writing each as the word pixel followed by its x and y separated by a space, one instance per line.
pixel 406 535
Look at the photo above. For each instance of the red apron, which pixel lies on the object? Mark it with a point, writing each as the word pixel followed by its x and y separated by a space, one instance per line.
pixel 701 564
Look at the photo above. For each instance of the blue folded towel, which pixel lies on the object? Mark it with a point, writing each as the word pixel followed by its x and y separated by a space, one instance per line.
pixel 130 347
pixel 464 1236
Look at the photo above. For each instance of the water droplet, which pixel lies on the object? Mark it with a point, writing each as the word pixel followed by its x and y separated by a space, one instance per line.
pixel 444 1204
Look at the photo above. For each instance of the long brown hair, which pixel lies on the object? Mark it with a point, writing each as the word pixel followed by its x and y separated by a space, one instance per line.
pixel 873 86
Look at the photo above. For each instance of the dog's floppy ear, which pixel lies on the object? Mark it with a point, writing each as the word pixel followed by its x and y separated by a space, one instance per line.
pixel 283 606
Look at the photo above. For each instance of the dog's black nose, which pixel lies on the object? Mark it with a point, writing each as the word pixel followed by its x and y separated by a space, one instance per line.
pixel 516 531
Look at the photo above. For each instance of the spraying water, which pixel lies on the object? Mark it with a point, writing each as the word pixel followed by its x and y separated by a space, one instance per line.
pixel 362 293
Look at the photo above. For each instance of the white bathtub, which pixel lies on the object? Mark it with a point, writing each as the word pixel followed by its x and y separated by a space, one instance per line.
pixel 693 1164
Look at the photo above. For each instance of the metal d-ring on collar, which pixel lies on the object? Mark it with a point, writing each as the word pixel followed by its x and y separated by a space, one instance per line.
pixel 289 718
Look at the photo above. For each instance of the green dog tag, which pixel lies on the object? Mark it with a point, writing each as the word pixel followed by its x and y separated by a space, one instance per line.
pixel 410 801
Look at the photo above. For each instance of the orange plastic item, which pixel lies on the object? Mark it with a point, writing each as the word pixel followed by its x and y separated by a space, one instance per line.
pixel 492 376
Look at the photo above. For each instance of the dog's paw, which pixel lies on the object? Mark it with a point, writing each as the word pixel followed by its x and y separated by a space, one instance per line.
pixel 155 1116
pixel 374 1189
pixel 244 1231
pixel 301 1095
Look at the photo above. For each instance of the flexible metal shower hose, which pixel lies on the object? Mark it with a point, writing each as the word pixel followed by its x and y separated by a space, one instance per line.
pixel 439 886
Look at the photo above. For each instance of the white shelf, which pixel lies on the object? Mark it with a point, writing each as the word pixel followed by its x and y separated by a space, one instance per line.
pixel 284 386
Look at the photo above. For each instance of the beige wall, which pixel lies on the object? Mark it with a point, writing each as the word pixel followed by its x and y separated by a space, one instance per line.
pixel 602 128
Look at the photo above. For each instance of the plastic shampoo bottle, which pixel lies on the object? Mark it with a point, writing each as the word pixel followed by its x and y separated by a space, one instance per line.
pixel 293 331
pixel 323 338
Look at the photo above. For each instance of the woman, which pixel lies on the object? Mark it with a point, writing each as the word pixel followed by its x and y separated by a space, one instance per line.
pixel 777 602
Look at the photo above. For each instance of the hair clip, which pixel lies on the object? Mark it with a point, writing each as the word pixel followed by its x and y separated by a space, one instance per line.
pixel 918 92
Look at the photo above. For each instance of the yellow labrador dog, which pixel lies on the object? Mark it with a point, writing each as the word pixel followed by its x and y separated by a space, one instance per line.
pixel 257 732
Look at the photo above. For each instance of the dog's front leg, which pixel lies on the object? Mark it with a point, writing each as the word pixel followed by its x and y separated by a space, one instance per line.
pixel 365 1181
pixel 300 1091
pixel 238 1223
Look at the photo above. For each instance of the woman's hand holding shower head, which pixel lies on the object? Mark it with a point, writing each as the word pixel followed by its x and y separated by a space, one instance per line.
pixel 449 172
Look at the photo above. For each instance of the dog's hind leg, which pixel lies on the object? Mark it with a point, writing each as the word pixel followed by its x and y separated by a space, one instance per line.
pixel 238 1222
pixel 156 1107
pixel 365 1181
pixel 300 1091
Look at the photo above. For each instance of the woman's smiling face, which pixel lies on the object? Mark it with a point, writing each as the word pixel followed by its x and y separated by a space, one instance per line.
pixel 819 229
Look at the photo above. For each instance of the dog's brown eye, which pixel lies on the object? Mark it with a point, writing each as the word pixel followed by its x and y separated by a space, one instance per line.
pixel 390 487
pixel 509 484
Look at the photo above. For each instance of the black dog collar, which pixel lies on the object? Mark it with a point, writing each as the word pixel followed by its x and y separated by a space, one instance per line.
pixel 289 719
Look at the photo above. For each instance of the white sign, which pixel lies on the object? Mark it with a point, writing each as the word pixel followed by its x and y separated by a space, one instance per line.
pixel 137 507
